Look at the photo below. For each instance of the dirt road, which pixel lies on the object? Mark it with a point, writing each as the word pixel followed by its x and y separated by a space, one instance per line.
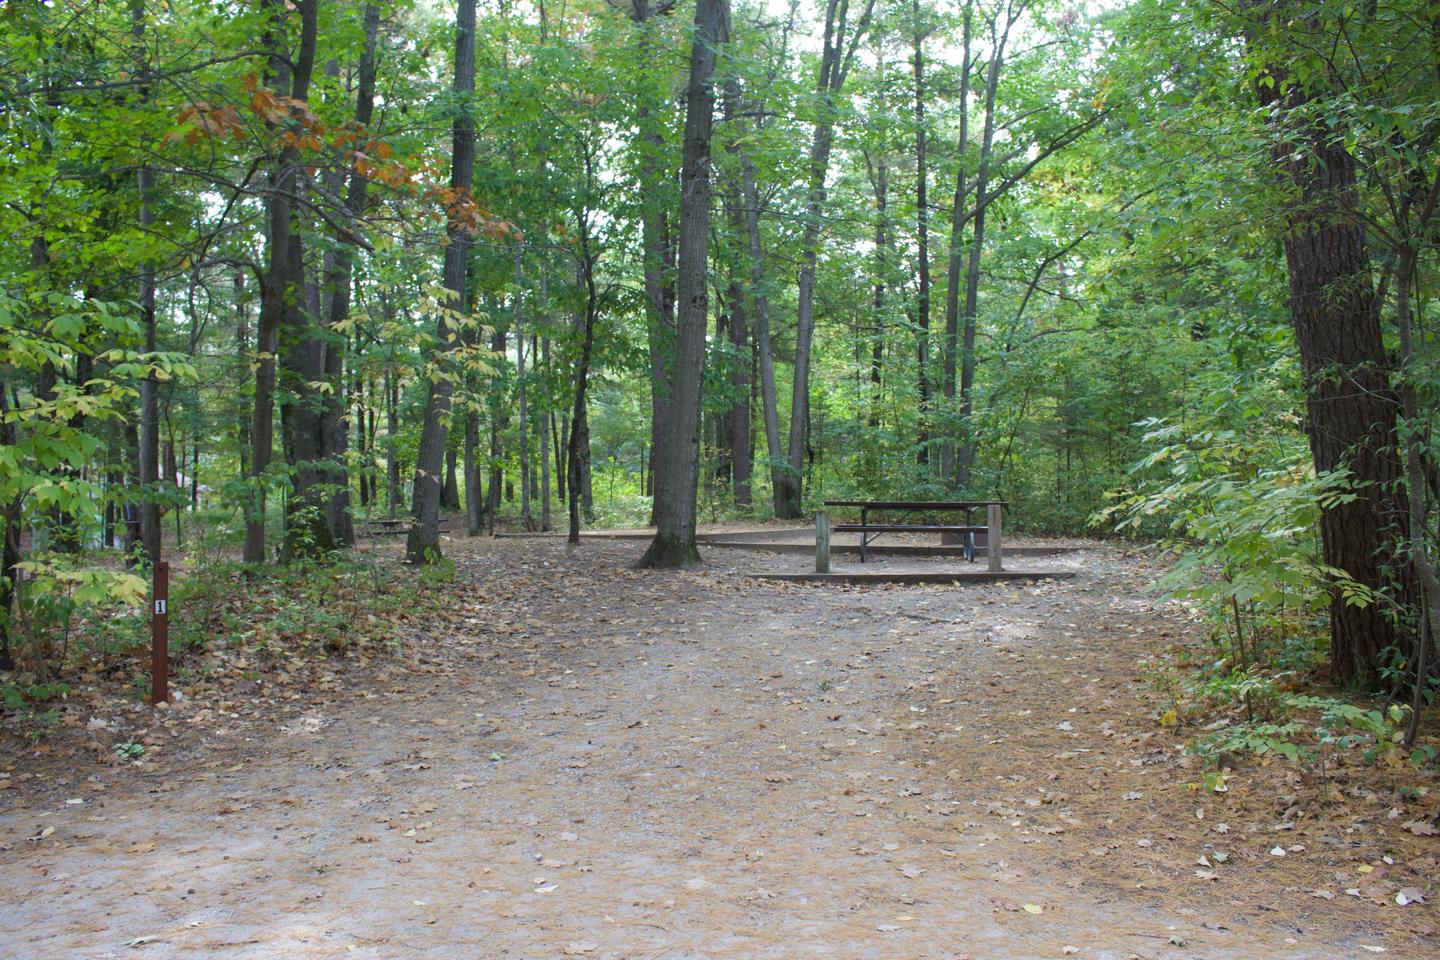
pixel 590 761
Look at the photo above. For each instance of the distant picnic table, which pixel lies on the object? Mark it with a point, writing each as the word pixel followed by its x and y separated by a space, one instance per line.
pixel 389 527
pixel 918 516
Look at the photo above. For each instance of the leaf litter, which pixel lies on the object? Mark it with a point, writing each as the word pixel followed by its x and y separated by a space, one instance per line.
pixel 644 731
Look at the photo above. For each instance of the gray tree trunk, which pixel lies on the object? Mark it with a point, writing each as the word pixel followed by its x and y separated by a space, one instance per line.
pixel 149 387
pixel 955 255
pixel 423 543
pixel 279 276
pixel 678 460
pixel 836 57
pixel 965 452
pixel 335 439
pixel 922 241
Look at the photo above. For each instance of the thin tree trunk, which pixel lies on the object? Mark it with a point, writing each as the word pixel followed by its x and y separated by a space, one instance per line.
pixel 392 431
pixel 1415 487
pixel 525 521
pixel 954 256
pixel 654 233
pixel 450 496
pixel 242 342
pixel 335 430
pixel 10 518
pixel 760 301
pixel 577 450
pixel 474 512
pixel 546 420
pixel 837 55
pixel 922 240
pixel 881 182
pixel 279 275
pixel 150 385
pixel 423 543
pixel 965 452
pixel 739 415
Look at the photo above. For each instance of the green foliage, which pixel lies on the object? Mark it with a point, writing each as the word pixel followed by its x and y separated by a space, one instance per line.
pixel 1240 509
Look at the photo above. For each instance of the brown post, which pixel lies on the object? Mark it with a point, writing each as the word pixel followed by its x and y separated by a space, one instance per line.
pixel 992 535
pixel 160 635
pixel 822 542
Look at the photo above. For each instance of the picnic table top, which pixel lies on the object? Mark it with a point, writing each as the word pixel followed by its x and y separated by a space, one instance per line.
pixel 915 504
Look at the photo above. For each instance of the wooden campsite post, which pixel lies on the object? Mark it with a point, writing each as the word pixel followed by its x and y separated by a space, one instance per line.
pixel 160 635
pixel 992 535
pixel 822 541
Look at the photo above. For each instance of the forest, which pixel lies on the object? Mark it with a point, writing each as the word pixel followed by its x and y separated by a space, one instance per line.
pixel 284 277
pixel 1158 267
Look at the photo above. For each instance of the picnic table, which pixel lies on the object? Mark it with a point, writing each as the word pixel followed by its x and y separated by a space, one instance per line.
pixel 390 526
pixel 916 516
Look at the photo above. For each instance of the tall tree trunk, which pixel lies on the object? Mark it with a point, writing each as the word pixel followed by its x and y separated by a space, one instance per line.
pixel 302 365
pixel 837 55
pixel 1421 661
pixel 922 240
pixel 1350 404
pixel 577 450
pixel 474 510
pixel 955 254
pixel 392 431
pixel 450 495
pixel 150 386
pixel 423 543
pixel 546 419
pixel 880 178
pixel 10 518
pixel 242 342
pixel 760 303
pixel 655 242
pixel 279 276
pixel 747 296
pixel 739 416
pixel 965 450
pixel 335 430
pixel 499 338
pixel 678 461
pixel 520 393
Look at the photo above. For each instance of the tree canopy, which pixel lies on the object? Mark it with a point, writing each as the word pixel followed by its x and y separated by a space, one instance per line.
pixel 1166 268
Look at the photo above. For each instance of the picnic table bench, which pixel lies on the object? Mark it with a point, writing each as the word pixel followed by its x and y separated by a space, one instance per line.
pixel 916 516
pixel 390 526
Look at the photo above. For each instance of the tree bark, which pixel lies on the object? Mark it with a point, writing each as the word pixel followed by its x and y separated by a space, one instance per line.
pixel 450 495
pixel 965 451
pixel 335 429
pixel 577 451
pixel 278 276
pixel 301 367
pixel 655 245
pixel 837 55
pixel 546 420
pixel 423 543
pixel 526 522
pixel 149 387
pixel 738 418
pixel 922 241
pixel 10 534
pixel 955 254
pixel 474 512
pixel 678 462
pixel 1350 404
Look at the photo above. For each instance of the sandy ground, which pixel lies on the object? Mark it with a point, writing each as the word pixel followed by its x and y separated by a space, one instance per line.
pixel 586 760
